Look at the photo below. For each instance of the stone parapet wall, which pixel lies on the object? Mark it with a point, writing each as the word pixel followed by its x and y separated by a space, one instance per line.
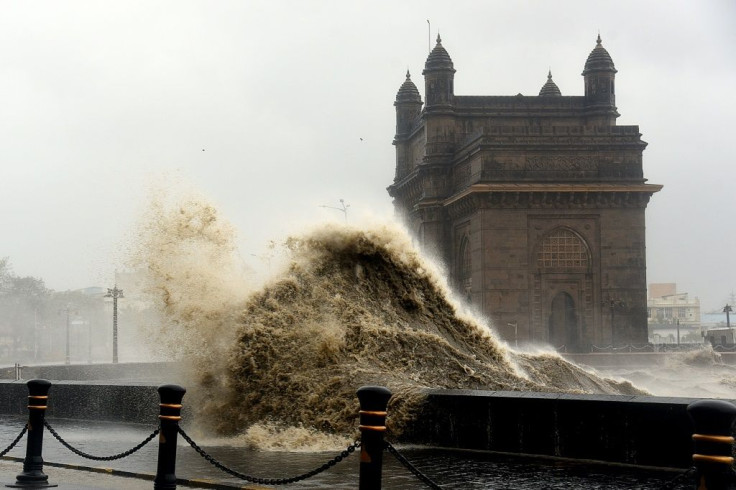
pixel 636 430
pixel 98 401
pixel 151 372
pixel 632 359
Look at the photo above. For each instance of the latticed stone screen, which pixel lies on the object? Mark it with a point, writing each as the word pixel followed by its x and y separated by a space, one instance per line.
pixel 562 249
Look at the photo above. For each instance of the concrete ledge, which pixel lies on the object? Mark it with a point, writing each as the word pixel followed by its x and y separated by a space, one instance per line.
pixel 637 430
pixel 153 372
pixel 632 359
pixel 87 400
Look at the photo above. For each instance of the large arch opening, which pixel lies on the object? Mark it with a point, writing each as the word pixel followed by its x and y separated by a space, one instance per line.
pixel 564 263
pixel 563 322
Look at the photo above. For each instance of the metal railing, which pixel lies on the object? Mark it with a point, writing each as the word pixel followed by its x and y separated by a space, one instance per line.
pixel 651 348
pixel 373 401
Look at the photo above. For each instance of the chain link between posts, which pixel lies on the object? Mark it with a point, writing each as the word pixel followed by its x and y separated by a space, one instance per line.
pixel 100 458
pixel 413 469
pixel 277 481
pixel 270 481
pixel 12 444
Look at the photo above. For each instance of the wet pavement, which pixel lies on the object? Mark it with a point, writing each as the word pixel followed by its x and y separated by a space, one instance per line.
pixel 451 469
pixel 67 478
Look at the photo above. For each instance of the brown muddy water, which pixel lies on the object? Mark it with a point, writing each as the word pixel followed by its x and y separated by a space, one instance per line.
pixel 273 367
pixel 349 307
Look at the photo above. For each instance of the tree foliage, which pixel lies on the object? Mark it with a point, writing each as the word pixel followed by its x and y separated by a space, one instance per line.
pixel 33 318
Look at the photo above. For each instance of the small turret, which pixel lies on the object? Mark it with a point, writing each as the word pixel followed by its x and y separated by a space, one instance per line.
pixel 600 90
pixel 550 89
pixel 439 75
pixel 408 106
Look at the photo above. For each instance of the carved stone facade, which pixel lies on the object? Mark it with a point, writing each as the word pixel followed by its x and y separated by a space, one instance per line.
pixel 535 203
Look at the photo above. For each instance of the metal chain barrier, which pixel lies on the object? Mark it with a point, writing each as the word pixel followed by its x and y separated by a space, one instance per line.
pixel 405 462
pixel 99 458
pixel 12 444
pixel 270 481
pixel 594 348
pixel 724 348
pixel 621 348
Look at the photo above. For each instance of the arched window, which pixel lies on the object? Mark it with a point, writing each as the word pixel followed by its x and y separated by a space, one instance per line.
pixel 563 249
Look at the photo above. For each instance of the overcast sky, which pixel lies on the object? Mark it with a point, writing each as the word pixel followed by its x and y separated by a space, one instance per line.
pixel 99 98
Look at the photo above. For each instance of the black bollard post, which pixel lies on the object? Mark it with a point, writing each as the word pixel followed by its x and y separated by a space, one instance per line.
pixel 33 475
pixel 713 443
pixel 170 415
pixel 373 403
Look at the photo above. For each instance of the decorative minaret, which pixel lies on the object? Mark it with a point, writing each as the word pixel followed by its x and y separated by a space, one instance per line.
pixel 408 110
pixel 408 106
pixel 600 89
pixel 439 76
pixel 434 171
pixel 550 89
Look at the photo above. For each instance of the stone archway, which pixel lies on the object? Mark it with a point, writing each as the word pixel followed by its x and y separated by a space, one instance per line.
pixel 563 322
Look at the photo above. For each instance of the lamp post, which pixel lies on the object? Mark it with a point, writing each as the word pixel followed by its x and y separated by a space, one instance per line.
pixel 343 208
pixel 727 309
pixel 67 310
pixel 114 293
pixel 89 342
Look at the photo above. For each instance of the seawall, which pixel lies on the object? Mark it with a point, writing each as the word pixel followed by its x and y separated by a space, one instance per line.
pixel 637 430
pixel 632 359
pixel 152 372
pixel 87 400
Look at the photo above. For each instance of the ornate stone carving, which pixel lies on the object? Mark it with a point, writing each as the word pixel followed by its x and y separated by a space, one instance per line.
pixel 461 176
pixel 463 207
pixel 565 200
pixel 561 162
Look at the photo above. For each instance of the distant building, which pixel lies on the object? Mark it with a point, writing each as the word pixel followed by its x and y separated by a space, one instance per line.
pixel 535 203
pixel 721 336
pixel 670 313
pixel 718 329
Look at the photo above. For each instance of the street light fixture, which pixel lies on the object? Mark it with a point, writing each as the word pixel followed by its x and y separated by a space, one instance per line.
pixel 114 293
pixel 343 208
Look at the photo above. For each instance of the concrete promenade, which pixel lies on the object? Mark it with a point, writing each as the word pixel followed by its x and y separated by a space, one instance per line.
pixel 73 478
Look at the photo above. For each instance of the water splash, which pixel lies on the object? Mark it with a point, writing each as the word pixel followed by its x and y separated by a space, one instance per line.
pixel 699 373
pixel 192 272
pixel 353 307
